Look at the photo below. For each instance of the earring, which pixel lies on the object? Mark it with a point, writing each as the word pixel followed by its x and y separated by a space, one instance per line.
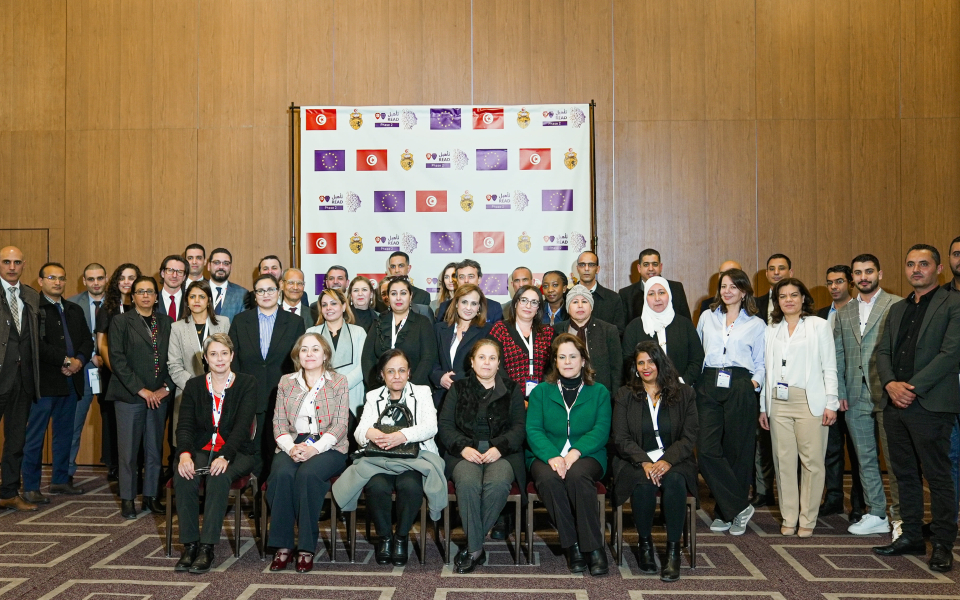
pixel 636 373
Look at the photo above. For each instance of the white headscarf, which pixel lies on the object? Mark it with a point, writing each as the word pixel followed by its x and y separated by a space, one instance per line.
pixel 654 323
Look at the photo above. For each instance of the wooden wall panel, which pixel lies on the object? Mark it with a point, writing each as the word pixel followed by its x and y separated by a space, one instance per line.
pixel 362 47
pixel 930 69
pixel 785 59
pixel 445 41
pixel 31 179
pixel 226 63
pixel 310 61
pixel 34 244
pixel 732 192
pixel 501 36
pixel 731 65
pixel 93 64
pixel 588 64
pixel 605 217
pixel 136 64
pixel 270 98
pixel 405 56
pixel 173 191
pixel 174 73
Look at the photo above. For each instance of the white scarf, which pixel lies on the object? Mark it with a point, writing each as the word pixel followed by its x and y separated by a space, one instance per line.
pixel 654 323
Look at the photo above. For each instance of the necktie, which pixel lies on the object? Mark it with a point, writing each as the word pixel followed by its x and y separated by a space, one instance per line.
pixel 96 312
pixel 66 332
pixel 14 307
pixel 217 302
pixel 293 309
pixel 172 309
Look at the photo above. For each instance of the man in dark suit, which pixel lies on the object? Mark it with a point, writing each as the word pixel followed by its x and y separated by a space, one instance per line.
pixel 227 296
pixel 262 339
pixel 399 264
pixel 19 371
pixel 66 345
pixel 336 278
pixel 917 362
pixel 292 296
pixel 606 303
pixel 633 295
pixel 173 272
pixel 724 266
pixel 469 271
pixel 778 267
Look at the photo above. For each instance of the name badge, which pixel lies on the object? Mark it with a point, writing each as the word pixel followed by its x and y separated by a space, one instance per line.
pixel 94 377
pixel 529 387
pixel 723 378
pixel 783 391
pixel 655 454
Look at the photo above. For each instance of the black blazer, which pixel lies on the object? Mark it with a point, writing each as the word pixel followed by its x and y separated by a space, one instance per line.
pixel 683 348
pixel 627 440
pixel 764 306
pixel 195 423
pixel 53 347
pixel 131 356
pixel 416 339
pixel 608 307
pixel 603 345
pixel 633 297
pixel 824 312
pixel 937 357
pixel 494 311
pixel 245 335
pixel 443 364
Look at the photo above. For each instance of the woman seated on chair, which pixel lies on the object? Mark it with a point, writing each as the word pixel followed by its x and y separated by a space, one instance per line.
pixel 568 425
pixel 482 427
pixel 310 424
pixel 213 434
pixel 655 451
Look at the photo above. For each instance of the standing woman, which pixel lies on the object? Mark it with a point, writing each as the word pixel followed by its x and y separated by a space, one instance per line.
pixel 360 294
pixel 800 402
pixel 464 324
pixel 525 339
pixel 568 425
pixel 733 342
pixel 403 329
pixel 186 358
pixel 554 292
pixel 448 284
pixel 346 341
pixel 660 323
pixel 139 340
pixel 655 451
pixel 310 424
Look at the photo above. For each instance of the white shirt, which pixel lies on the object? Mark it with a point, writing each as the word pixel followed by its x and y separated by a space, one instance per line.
pixel 795 349
pixel 218 297
pixel 744 347
pixel 295 307
pixel 165 295
pixel 866 308
pixel 6 295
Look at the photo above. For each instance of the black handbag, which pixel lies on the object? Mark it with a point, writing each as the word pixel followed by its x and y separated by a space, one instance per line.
pixel 402 418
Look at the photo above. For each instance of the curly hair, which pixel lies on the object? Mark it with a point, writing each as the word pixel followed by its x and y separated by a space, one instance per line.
pixel 113 298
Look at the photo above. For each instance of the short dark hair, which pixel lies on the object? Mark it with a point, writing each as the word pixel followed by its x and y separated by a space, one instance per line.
pixel 92 266
pixel 865 258
pixel 742 281
pixel 51 264
pixel 401 279
pixel 387 357
pixel 263 276
pixel 221 251
pixel 537 318
pixel 593 252
pixel 553 375
pixel 176 257
pixel 527 269
pixel 561 275
pixel 196 247
pixel 807 309
pixel 156 287
pixel 841 269
pixel 346 274
pixel 931 249
pixel 467 262
pixel 648 252
pixel 270 257
pixel 784 257
pixel 956 240
pixel 406 257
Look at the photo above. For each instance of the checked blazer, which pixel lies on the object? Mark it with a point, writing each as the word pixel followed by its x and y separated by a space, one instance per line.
pixel 856 354
pixel 331 405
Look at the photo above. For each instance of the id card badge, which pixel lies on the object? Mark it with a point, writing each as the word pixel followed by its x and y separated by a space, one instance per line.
pixel 94 377
pixel 529 387
pixel 783 391
pixel 655 455
pixel 723 378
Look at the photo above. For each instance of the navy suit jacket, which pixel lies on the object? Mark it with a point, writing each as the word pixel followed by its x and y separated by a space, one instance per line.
pixel 494 311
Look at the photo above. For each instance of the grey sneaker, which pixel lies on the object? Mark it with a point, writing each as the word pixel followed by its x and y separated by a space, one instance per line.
pixel 739 525
pixel 719 526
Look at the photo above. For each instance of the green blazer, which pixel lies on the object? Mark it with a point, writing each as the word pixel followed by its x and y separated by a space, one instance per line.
pixel 589 423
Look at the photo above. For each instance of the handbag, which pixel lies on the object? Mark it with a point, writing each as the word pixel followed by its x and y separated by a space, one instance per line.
pixel 402 418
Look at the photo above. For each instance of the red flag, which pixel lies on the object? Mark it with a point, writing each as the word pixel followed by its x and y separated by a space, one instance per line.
pixel 322 243
pixel 431 201
pixel 488 242
pixel 488 118
pixel 321 118
pixel 371 160
pixel 534 159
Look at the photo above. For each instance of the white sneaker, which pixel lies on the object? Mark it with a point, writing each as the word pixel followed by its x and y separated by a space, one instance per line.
pixel 719 526
pixel 739 526
pixel 870 524
pixel 896 531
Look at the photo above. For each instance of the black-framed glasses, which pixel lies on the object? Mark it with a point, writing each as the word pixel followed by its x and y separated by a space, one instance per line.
pixel 529 302
pixel 55 278
pixel 180 272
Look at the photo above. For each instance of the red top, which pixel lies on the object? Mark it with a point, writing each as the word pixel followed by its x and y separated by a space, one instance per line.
pixel 516 356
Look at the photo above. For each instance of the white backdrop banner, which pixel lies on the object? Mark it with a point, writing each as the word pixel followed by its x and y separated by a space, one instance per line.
pixel 506 186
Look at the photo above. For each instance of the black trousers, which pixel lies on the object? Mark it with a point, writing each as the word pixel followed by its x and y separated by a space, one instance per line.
pixel 920 439
pixel 15 409
pixel 216 491
pixel 837 438
pixel 673 505
pixel 409 488
pixel 572 501
pixel 109 453
pixel 295 493
pixel 727 439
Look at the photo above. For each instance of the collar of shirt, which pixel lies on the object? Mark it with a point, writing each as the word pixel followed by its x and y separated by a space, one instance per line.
pixel 55 302
pixel 299 378
pixel 924 299
pixel 263 316
pixel 287 307
pixel 7 286
pixel 872 300
pixel 594 288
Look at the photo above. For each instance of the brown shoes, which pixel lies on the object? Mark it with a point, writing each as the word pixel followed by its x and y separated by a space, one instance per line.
pixel 17 503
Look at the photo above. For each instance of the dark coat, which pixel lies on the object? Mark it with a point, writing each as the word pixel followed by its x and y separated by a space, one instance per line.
pixel 131 356
pixel 606 355
pixel 494 311
pixel 195 423
pixel 30 303
pixel 683 348
pixel 608 307
pixel 764 306
pixel 506 416
pixel 443 364
pixel 633 298
pixel 416 339
pixel 627 440
pixel 245 335
pixel 53 347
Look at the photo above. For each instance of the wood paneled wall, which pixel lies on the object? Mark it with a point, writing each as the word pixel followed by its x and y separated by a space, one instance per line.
pixel 725 128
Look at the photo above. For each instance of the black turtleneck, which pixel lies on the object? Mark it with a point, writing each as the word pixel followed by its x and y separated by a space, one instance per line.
pixel 570 388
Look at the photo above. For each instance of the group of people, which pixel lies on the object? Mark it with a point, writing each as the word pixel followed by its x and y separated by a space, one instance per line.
pixel 386 394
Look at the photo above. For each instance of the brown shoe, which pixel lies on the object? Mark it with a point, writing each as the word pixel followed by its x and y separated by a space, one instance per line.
pixel 17 503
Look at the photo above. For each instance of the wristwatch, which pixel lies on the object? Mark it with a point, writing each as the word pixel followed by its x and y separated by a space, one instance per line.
pixel 66 362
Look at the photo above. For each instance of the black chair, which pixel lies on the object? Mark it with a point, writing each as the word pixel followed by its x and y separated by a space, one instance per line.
pixel 532 497
pixel 237 488
pixel 689 531
pixel 452 497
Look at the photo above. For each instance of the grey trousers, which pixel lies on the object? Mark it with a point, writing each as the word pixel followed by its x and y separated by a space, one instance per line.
pixel 891 477
pixel 861 424
pixel 138 423
pixel 482 492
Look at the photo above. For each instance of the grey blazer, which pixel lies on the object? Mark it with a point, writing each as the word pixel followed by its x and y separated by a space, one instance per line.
pixel 131 355
pixel 856 354
pixel 184 358
pixel 30 312
pixel 938 353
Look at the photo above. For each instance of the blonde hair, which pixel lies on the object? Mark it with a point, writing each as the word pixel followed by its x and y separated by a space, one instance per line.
pixel 339 297
pixel 324 344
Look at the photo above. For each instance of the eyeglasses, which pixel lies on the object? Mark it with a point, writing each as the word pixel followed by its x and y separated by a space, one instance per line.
pixel 529 302
pixel 265 291
pixel 55 278
pixel 293 283
pixel 220 263
pixel 585 265
pixel 169 271
pixel 144 293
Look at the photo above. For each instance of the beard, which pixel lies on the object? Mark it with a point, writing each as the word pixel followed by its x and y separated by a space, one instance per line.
pixel 872 285
pixel 219 276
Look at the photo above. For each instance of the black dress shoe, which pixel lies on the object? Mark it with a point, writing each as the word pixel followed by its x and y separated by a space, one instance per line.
pixel 204 559
pixel 35 497
pixel 153 504
pixel 499 531
pixel 461 557
pixel 189 555
pixel 648 555
pixel 942 558
pixel 598 562
pixel 830 508
pixel 470 563
pixel 383 550
pixel 65 488
pixel 671 566
pixel 763 500
pixel 575 560
pixel 128 509
pixel 113 474
pixel 398 550
pixel 902 546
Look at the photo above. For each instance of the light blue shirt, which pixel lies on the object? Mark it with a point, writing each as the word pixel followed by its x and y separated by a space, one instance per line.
pixel 744 344
pixel 266 330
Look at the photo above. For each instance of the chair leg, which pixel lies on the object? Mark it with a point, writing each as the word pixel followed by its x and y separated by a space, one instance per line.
pixel 264 511
pixel 446 534
pixel 602 501
pixel 618 534
pixel 692 512
pixel 353 536
pixel 516 532
pixel 333 529
pixel 530 530
pixel 169 522
pixel 236 523
pixel 423 532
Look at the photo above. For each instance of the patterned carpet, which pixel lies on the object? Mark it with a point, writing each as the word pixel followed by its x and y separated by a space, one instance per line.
pixel 79 548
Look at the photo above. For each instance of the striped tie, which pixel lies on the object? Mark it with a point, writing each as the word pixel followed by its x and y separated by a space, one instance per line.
pixel 14 307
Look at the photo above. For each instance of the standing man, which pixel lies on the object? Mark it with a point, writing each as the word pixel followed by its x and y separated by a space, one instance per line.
pixel 227 296
pixel 89 301
pixel 336 278
pixel 954 286
pixel 857 330
pixel 196 257
pixel 469 271
pixel 917 363
pixel 291 288
pixel 520 277
pixel 173 271
pixel 66 345
pixel 778 267
pixel 19 371
pixel 839 278
pixel 649 266
pixel 399 264
pixel 606 303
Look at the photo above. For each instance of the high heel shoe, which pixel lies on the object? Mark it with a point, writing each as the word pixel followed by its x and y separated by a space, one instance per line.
pixel 648 556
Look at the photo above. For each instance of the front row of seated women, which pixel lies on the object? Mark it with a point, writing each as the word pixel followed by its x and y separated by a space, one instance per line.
pixel 484 428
